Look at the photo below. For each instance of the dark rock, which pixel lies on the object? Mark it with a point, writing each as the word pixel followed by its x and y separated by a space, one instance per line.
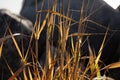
pixel 118 8
pixel 21 30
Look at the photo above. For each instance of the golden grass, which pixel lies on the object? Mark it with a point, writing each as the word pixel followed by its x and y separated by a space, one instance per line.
pixel 68 67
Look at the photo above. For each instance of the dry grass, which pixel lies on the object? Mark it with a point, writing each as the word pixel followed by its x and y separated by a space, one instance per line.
pixel 70 64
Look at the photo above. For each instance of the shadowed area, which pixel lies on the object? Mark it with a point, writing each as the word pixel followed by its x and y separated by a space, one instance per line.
pixel 18 27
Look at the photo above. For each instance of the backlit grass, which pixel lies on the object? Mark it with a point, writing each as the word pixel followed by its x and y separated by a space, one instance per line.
pixel 60 63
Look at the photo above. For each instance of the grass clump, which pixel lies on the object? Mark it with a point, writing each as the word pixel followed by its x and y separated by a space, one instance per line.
pixel 64 61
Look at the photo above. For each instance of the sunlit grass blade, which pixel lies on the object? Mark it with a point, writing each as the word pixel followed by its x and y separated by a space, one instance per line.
pixel 99 54
pixel 58 14
pixel 24 74
pixel 38 28
pixel 5 38
pixel 11 71
pixel 91 60
pixel 16 45
pixel 14 75
pixel 112 66
pixel 1 48
pixel 101 48
pixel 30 74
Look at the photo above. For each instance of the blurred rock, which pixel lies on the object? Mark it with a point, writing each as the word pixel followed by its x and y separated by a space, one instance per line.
pixel 21 29
pixel 118 8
